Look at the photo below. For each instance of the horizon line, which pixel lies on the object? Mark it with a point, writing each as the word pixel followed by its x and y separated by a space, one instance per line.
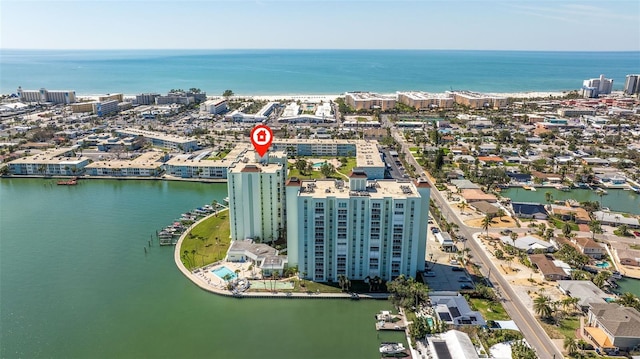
pixel 300 49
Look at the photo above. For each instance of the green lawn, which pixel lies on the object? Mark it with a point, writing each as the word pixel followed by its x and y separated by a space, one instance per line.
pixel 566 329
pixel 559 224
pixel 490 310
pixel 202 239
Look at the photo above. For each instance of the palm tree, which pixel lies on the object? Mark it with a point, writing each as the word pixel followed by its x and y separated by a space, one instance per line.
pixel 595 227
pixel 566 229
pixel 628 300
pixel 601 278
pixel 542 307
pixel 548 196
pixel 486 223
pixel 570 345
pixel 464 205
pixel 501 214
pixel 342 281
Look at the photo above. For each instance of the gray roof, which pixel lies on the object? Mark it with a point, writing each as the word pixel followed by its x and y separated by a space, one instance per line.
pixel 258 250
pixel 588 292
pixel 526 242
pixel 620 321
pixel 615 218
pixel 464 184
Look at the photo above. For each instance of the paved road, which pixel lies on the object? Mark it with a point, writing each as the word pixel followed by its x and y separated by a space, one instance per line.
pixel 528 325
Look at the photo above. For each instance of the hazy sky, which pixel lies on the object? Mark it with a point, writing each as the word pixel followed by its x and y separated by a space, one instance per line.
pixel 227 24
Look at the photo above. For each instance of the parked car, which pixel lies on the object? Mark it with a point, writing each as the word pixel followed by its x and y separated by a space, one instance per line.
pixel 636 233
pixel 457 269
pixel 466 286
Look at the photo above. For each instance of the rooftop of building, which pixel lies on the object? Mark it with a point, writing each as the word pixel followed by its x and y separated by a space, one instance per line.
pixel 357 95
pixel 619 321
pixel 147 160
pixel 52 156
pixel 377 189
pixel 156 135
pixel 421 95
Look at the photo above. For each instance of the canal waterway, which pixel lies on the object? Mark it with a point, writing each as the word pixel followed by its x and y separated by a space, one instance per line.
pixel 617 200
pixel 75 282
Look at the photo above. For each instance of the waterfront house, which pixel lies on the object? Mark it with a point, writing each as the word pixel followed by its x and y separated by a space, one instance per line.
pixel 475 195
pixel 587 292
pixel 451 344
pixel 616 219
pixel 584 245
pixel 485 207
pixel 455 310
pixel 629 257
pixel 529 210
pixel 528 244
pixel 550 268
pixel 613 327
pixel 576 214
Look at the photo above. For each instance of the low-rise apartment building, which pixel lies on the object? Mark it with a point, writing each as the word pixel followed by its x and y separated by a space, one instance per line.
pixel 58 162
pixel 370 101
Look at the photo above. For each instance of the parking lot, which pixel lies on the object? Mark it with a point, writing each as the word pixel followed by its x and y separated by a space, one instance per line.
pixel 444 272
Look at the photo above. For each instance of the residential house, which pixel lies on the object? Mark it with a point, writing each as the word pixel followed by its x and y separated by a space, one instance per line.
pixel 528 244
pixel 455 310
pixel 451 344
pixel 475 195
pixel 587 292
pixel 615 219
pixel 613 327
pixel 529 210
pixel 550 268
pixel 629 257
pixel 577 214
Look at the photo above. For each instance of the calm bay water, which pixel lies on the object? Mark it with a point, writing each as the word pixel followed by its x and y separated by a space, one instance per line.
pixel 308 71
pixel 617 199
pixel 75 283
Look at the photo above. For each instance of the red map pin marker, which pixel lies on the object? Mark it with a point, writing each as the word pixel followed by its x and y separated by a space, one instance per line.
pixel 261 138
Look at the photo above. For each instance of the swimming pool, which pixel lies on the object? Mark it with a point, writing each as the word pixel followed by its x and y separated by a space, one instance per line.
pixel 318 164
pixel 602 264
pixel 223 271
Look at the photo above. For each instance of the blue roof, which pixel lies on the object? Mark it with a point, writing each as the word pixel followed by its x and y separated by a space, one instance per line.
pixel 528 208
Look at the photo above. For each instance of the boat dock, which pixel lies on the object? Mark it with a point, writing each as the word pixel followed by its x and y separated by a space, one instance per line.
pixel 387 321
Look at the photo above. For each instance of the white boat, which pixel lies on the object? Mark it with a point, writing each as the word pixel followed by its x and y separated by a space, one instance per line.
pixel 391 348
pixel 616 275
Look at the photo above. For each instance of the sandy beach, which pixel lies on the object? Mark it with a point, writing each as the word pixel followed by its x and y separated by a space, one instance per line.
pixel 331 97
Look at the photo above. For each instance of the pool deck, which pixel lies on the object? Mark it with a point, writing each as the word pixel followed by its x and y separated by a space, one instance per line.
pixel 206 280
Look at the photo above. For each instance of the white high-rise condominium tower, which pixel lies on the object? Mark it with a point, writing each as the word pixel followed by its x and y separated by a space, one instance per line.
pixel 256 188
pixel 595 87
pixel 632 85
pixel 359 228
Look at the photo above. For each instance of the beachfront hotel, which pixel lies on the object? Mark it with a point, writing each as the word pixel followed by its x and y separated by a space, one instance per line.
pixel 369 101
pixel 44 95
pixel 256 188
pixel 215 107
pixel 476 100
pixel 57 162
pixel 592 88
pixel 361 228
pixel 425 100
pixel 157 139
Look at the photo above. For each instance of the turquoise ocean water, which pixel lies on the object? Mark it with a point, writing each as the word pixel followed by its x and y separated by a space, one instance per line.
pixel 308 71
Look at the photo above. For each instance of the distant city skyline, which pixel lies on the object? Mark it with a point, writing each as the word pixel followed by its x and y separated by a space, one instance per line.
pixel 356 24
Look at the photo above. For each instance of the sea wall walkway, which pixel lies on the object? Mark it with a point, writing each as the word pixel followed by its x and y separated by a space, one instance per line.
pixel 212 288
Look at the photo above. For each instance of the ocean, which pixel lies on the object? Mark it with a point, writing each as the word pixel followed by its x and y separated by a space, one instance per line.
pixel 276 72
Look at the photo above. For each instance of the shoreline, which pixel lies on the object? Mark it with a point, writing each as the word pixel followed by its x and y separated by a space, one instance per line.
pixel 527 94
